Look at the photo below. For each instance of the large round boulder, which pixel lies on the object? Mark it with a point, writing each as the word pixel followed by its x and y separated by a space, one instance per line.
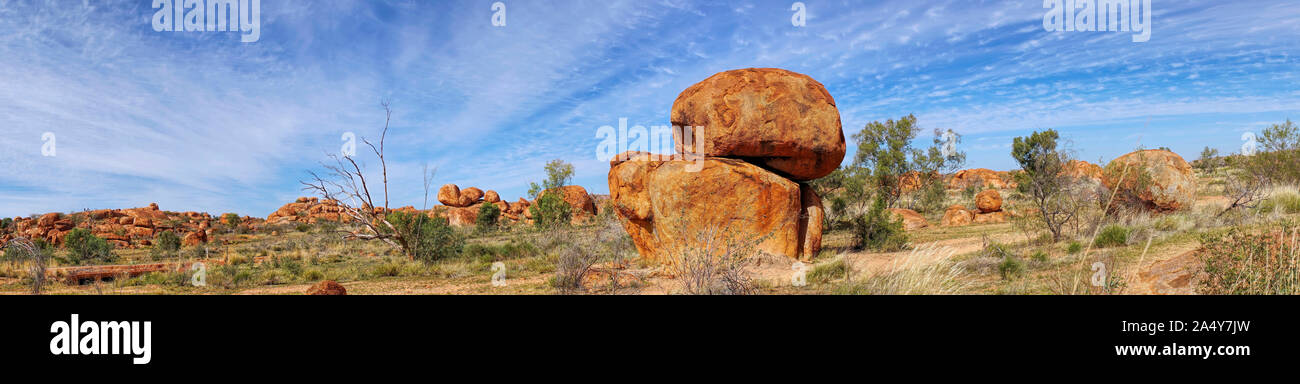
pixel 782 120
pixel 449 195
pixel 988 201
pixel 1154 179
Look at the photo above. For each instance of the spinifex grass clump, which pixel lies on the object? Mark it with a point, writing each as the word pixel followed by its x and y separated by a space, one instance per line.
pixel 1240 263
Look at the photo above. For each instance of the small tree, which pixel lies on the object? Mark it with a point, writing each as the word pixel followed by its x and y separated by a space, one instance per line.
pixel 1043 181
pixel 558 174
pixel 167 241
pixel 550 211
pixel 427 238
pixel 488 215
pixel 345 182
pixel 230 219
pixel 1209 160
pixel 84 247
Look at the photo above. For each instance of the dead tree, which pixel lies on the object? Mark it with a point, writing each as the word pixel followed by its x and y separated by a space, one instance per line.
pixel 26 250
pixel 345 181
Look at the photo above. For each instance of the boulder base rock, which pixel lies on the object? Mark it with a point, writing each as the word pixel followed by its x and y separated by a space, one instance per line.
pixel 667 209
pixel 988 201
pixel 957 216
pixel 782 120
pixel 327 288
pixel 811 217
pixel 911 220
pixel 998 217
pixel 1155 179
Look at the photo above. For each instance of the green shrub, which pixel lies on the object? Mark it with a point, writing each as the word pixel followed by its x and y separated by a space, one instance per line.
pixel 230 219
pixel 1011 268
pixel 1112 235
pixel 1074 247
pixel 551 211
pixel 1040 256
pixel 304 227
pixel 425 238
pixel 488 215
pixel 877 230
pixel 167 241
pixel 85 247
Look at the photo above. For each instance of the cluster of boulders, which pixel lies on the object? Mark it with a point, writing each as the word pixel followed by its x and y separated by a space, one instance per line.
pixel 461 206
pixel 988 210
pixel 123 228
pixel 309 210
pixel 739 180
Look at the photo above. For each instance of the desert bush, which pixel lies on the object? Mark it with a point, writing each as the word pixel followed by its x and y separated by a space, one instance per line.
pixel 85 247
pixel 878 230
pixel 167 241
pixel 1042 181
pixel 1241 263
pixel 230 220
pixel 572 266
pixel 550 211
pixel 37 254
pixel 1278 154
pixel 304 227
pixel 425 238
pixel 488 215
pixel 716 266
pixel 1074 247
pixel 1112 235
pixel 1040 257
pixel 1209 160
pixel 1011 268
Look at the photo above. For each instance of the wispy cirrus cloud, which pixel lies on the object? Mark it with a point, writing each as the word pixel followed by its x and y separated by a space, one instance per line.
pixel 200 121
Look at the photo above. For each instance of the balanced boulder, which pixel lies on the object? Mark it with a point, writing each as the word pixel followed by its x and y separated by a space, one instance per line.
pixel 784 121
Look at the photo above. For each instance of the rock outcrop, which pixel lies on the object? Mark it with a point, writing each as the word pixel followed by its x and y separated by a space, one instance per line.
pixel 978 177
pixel 784 121
pixel 123 228
pixel 309 210
pixel 1154 179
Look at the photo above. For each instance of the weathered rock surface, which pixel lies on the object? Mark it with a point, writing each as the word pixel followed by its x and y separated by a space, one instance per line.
pixel 327 288
pixel 988 201
pixel 667 209
pixel 978 177
pixel 957 216
pixel 811 218
pixel 782 120
pixel 911 220
pixel 1155 179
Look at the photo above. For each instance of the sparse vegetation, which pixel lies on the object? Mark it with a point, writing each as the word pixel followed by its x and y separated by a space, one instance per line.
pixel 488 215
pixel 1112 236
pixel 1241 263
pixel 84 247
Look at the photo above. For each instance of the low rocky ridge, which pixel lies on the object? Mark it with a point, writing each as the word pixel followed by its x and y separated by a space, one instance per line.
pixel 123 228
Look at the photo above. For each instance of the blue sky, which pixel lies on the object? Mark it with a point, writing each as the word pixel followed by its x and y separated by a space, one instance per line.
pixel 200 121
